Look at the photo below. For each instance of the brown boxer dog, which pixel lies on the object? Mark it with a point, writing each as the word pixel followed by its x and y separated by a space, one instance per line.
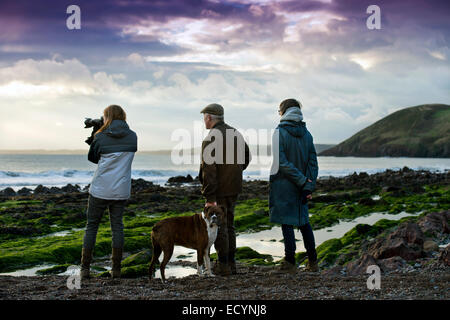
pixel 197 232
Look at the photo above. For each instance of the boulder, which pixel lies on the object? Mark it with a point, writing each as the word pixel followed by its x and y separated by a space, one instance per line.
pixel 142 257
pixel 180 179
pixel 8 192
pixel 406 242
pixel 408 231
pixel 24 192
pixel 391 264
pixel 40 189
pixel 435 223
pixel 70 188
pixel 359 266
pixel 444 257
pixel 140 184
pixel 430 246
pixel 367 202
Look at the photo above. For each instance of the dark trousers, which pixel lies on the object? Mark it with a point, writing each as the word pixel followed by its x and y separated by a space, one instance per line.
pixel 225 244
pixel 289 242
pixel 95 210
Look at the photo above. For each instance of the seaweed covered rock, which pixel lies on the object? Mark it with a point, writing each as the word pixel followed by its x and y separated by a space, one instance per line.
pixel 142 257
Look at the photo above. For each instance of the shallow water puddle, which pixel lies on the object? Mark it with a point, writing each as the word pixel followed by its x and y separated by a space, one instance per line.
pixel 27 272
pixel 62 233
pixel 263 241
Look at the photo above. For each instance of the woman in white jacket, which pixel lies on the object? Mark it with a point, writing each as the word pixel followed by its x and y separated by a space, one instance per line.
pixel 113 150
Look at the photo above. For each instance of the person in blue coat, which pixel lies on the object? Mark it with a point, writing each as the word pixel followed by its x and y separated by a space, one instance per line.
pixel 292 181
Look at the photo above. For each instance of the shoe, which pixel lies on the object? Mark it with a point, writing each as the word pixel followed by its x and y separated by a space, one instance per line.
pixel 286 267
pixel 86 258
pixel 312 267
pixel 116 262
pixel 221 269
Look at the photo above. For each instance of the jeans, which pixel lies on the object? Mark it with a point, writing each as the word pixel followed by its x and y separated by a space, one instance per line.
pixel 225 244
pixel 289 242
pixel 95 210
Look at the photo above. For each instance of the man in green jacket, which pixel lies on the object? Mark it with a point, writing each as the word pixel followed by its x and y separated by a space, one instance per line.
pixel 224 157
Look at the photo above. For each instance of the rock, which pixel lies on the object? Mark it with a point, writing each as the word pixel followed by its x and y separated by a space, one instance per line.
pixel 333 271
pixel 24 192
pixel 391 264
pixel 444 257
pixel 430 246
pixel 70 188
pixel 40 189
pixel 261 212
pixel 23 231
pixel 435 223
pixel 144 185
pixel 406 241
pixel 8 192
pixel 180 179
pixel 55 190
pixel 359 266
pixel 367 201
pixel 142 257
pixel 390 189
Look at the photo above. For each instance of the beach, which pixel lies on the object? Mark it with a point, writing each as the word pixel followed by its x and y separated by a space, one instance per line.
pixel 43 229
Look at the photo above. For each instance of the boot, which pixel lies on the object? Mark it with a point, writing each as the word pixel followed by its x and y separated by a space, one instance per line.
pixel 86 258
pixel 312 267
pixel 285 267
pixel 116 262
pixel 222 269
pixel 233 267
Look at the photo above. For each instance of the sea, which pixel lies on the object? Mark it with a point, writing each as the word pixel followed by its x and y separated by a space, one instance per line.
pixel 30 170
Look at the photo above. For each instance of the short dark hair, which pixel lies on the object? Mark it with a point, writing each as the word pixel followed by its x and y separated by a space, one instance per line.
pixel 289 103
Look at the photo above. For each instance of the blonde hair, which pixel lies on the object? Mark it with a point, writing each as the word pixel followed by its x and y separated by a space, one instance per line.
pixel 113 112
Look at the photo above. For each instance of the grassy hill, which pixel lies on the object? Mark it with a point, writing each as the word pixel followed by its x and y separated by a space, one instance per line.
pixel 420 131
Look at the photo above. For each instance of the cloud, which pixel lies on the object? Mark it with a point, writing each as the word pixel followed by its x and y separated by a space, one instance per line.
pixel 164 60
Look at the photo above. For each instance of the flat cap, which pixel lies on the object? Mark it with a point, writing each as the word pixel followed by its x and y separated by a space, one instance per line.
pixel 213 108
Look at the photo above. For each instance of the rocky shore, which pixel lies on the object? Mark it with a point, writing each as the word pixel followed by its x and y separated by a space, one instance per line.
pixel 412 252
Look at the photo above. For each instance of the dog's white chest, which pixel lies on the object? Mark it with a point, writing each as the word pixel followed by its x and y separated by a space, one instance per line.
pixel 212 231
pixel 212 234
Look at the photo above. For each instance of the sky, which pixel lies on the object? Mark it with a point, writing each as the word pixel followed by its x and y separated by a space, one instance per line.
pixel 163 61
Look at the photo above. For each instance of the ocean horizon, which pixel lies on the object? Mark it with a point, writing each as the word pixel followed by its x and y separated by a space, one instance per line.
pixel 30 170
